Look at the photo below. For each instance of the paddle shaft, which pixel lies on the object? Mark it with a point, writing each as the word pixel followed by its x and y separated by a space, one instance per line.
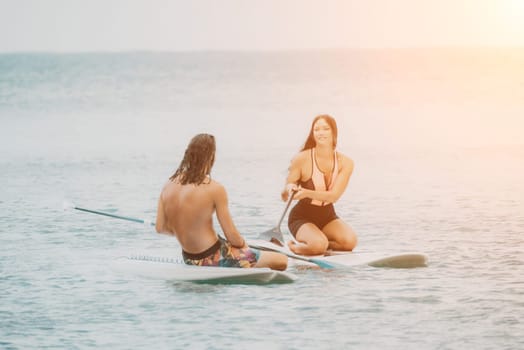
pixel 285 210
pixel 141 221
pixel 323 264
pixel 319 262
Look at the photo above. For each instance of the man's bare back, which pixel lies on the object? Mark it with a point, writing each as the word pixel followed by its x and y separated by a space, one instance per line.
pixel 186 211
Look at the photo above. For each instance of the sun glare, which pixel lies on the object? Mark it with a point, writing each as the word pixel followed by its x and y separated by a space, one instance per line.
pixel 515 15
pixel 517 5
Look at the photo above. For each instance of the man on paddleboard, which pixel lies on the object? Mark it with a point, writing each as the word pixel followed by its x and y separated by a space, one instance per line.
pixel 186 207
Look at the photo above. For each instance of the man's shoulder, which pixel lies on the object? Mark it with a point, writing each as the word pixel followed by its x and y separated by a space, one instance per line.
pixel 216 190
pixel 168 186
pixel 214 185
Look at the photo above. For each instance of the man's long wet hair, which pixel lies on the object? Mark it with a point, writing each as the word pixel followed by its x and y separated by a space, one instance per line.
pixel 198 161
pixel 310 141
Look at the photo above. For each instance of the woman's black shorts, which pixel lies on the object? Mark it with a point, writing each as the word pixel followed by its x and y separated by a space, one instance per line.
pixel 304 213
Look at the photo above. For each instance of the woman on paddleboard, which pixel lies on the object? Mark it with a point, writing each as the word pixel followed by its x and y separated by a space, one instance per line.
pixel 318 176
pixel 186 207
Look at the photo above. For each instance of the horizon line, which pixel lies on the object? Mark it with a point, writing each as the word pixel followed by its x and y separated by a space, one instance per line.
pixel 276 50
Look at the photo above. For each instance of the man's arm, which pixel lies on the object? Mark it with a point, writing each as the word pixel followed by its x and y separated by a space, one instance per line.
pixel 224 217
pixel 160 217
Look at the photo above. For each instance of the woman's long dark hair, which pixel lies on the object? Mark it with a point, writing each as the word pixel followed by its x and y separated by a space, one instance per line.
pixel 310 141
pixel 198 160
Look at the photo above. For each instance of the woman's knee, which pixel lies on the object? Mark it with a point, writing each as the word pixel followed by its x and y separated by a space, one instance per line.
pixel 313 237
pixel 349 242
pixel 318 246
pixel 341 234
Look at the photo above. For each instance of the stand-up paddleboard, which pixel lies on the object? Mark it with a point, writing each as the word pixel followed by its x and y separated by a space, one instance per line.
pixel 179 271
pixel 157 267
pixel 348 259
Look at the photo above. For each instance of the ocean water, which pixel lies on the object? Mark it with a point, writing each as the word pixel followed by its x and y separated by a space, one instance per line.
pixel 436 136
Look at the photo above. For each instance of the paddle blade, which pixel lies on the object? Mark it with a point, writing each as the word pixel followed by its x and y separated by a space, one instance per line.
pixel 325 264
pixel 274 235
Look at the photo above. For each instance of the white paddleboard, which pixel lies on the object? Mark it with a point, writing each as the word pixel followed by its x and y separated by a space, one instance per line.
pixel 157 267
pixel 349 259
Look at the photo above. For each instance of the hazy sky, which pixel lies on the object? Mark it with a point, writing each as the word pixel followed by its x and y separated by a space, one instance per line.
pixel 114 25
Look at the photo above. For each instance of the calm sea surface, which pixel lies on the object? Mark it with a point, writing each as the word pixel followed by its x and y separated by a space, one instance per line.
pixel 436 136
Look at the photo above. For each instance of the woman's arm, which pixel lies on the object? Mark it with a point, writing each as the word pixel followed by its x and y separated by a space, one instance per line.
pixel 294 175
pixel 225 219
pixel 331 196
